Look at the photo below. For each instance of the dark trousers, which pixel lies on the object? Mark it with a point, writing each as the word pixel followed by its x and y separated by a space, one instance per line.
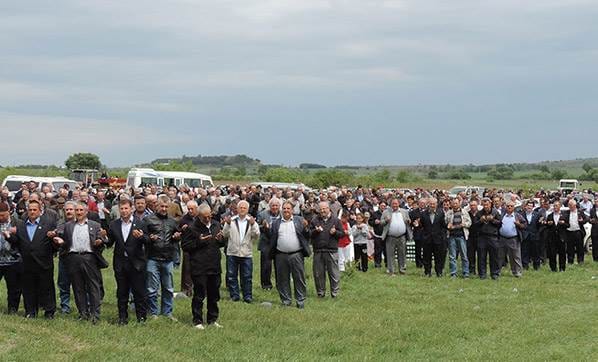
pixel 130 279
pixel 64 286
pixel 486 254
pixel 575 246
pixel 38 290
pixel 265 268
pixel 595 247
pixel 557 247
pixel 531 252
pixel 205 286
pixel 85 276
pixel 379 250
pixel 242 267
pixel 361 254
pixel 12 276
pixel 436 251
pixel 419 247
pixel 186 280
pixel 472 249
pixel 288 265
pixel 496 251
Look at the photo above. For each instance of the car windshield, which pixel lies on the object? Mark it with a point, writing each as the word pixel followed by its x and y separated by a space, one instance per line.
pixel 13 185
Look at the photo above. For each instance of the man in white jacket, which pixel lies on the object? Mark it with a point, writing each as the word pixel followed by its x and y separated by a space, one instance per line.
pixel 241 231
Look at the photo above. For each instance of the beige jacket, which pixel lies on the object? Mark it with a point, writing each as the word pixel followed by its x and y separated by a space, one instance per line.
pixel 236 246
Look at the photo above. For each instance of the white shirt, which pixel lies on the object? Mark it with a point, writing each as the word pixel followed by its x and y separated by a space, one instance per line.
pixel 397 225
pixel 288 241
pixel 573 221
pixel 81 241
pixel 242 227
pixel 101 210
pixel 125 227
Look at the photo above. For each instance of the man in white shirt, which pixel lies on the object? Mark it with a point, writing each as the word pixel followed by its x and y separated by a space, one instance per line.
pixel 289 247
pixel 80 242
pixel 575 233
pixel 397 231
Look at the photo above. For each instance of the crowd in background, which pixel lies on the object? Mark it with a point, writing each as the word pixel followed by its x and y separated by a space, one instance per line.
pixel 156 229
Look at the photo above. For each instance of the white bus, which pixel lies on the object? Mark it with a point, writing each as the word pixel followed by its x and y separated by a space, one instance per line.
pixel 146 176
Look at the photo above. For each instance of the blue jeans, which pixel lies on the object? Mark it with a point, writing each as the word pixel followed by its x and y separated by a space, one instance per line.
pixel 458 244
pixel 64 287
pixel 245 266
pixel 159 274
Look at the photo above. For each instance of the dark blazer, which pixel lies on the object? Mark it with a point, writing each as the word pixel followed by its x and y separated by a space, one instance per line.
pixel 39 251
pixel 557 231
pixel 135 247
pixel 433 233
pixel 532 229
pixel 301 231
pixel 418 232
pixel 593 219
pixel 94 234
pixel 204 255
pixel 265 239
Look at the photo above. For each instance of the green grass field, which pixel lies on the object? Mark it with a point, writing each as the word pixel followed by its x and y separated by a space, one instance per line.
pixel 543 316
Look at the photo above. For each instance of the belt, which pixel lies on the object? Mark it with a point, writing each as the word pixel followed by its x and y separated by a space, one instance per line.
pixel 80 252
pixel 510 237
pixel 292 252
pixel 399 236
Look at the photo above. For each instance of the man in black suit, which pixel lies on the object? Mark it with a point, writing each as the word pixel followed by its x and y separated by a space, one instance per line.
pixel 415 215
pixel 203 240
pixel 434 232
pixel 594 222
pixel 576 233
pixel 37 249
pixel 530 236
pixel 488 223
pixel 81 245
pixel 556 224
pixel 129 237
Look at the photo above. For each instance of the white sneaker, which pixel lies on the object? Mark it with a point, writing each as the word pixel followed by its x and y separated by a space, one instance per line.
pixel 216 325
pixel 200 327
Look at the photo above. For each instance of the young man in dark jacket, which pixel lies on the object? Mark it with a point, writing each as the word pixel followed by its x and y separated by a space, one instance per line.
pixel 161 251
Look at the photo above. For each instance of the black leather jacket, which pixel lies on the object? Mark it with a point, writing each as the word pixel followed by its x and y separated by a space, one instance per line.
pixel 164 248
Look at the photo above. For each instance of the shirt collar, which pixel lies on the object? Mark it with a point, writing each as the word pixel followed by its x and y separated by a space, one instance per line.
pixel 130 220
pixel 83 223
pixel 36 222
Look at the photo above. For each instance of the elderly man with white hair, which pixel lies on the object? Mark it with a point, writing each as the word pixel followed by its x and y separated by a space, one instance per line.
pixel 241 231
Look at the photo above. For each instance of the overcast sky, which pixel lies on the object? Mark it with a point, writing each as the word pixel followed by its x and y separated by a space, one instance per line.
pixel 334 82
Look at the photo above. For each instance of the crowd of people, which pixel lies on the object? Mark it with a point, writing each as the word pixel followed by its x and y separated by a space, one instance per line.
pixel 156 229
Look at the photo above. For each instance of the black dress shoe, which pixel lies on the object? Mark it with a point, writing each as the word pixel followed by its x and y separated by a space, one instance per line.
pixel 95 320
pixel 141 320
pixel 123 321
pixel 12 311
pixel 49 315
pixel 30 316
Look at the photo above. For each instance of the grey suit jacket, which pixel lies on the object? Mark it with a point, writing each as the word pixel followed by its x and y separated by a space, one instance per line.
pixel 388 214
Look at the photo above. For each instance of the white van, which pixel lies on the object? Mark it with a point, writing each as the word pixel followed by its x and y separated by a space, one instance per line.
pixel 13 182
pixel 146 176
